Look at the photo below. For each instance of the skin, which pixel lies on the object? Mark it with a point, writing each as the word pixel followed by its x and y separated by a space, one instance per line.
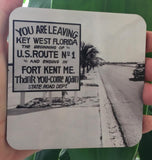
pixel 7 152
pixel 147 92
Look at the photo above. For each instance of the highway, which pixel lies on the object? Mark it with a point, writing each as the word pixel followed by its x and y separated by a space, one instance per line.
pixel 125 98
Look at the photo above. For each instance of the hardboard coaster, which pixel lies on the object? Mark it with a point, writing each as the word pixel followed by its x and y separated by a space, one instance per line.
pixel 75 79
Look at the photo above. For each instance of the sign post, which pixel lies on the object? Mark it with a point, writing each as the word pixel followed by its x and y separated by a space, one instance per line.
pixel 46 56
pixel 22 98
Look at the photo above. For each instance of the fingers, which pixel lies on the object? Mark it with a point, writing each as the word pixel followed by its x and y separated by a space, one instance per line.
pixel 148 69
pixel 2 96
pixel 148 64
pixel 3 30
pixel 8 6
pixel 5 8
pixel 147 123
pixel 147 94
pixel 148 41
pixel 18 155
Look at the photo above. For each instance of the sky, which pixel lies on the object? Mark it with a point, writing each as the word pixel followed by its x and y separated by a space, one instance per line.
pixel 117 37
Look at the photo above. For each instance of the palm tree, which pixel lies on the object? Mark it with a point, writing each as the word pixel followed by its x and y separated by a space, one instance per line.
pixel 87 57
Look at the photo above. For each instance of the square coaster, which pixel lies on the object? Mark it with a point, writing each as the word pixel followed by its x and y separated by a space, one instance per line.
pixel 75 79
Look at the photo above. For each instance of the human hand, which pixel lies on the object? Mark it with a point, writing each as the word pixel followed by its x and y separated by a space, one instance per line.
pixel 6 152
pixel 147 92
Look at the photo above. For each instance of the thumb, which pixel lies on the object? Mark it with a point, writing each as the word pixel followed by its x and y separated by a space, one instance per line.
pixel 6 7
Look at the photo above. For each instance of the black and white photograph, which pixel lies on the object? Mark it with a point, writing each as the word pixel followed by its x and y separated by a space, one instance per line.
pixel 75 79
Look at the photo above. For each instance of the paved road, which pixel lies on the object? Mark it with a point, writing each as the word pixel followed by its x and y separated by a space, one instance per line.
pixel 67 127
pixel 125 98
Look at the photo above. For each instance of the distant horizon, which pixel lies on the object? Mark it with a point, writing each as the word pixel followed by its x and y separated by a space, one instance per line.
pixel 11 64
